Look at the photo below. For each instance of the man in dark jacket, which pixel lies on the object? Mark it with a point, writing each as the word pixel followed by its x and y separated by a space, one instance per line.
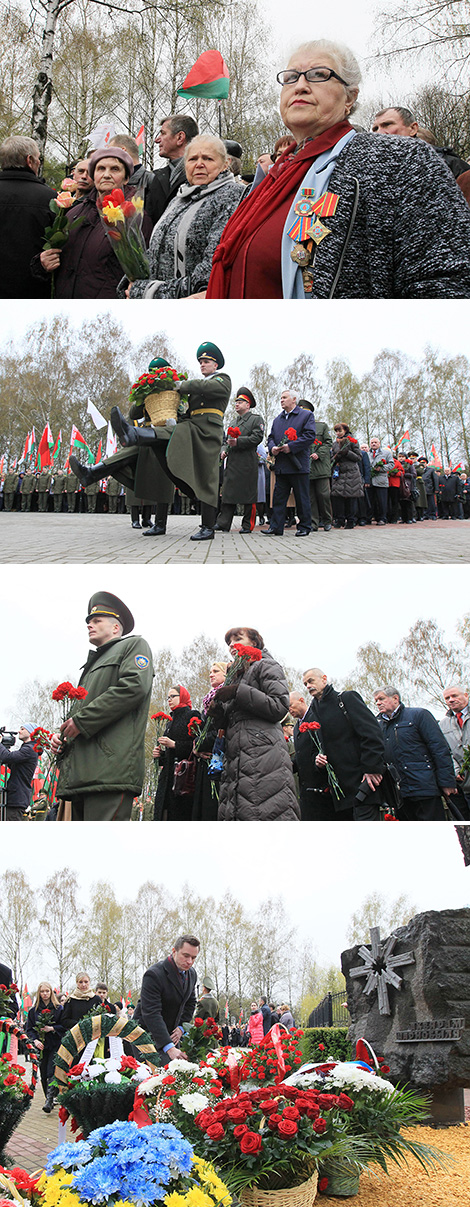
pixel 315 800
pixel 24 215
pixel 418 750
pixel 431 484
pixel 176 131
pixel 101 746
pixel 449 493
pixel 22 764
pixel 292 464
pixel 266 1012
pixel 241 466
pixel 168 997
pixel 352 744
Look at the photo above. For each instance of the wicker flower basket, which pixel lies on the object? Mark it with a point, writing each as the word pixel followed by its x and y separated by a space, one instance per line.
pixel 297 1196
pixel 162 406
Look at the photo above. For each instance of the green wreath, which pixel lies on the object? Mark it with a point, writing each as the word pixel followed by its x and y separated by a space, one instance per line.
pixel 96 1104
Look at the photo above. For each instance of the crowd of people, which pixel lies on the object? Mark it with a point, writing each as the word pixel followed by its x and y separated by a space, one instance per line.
pixel 328 213
pixel 299 475
pixel 255 751
pixel 169 1000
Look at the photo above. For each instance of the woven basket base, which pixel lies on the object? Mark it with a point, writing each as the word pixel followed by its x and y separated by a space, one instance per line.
pixel 297 1196
pixel 163 406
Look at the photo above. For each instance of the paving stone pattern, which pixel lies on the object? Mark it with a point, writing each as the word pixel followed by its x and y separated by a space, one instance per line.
pixel 104 538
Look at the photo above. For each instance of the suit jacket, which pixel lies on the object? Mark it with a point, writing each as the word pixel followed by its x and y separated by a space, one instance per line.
pixel 298 460
pixel 165 1003
pixel 161 191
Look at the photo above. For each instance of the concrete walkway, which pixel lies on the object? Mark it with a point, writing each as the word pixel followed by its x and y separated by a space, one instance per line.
pixel 105 538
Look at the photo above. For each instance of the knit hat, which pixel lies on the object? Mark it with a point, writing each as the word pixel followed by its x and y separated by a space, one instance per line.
pixel 27 725
pixel 111 153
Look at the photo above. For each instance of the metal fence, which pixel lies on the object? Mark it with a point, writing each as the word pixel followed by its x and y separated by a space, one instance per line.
pixel 330 1012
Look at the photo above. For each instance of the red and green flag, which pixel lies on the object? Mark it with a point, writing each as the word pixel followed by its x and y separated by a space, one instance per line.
pixel 78 444
pixel 57 447
pixel 45 445
pixel 209 77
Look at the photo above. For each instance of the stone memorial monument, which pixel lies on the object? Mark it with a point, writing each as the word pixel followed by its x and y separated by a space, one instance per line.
pixel 409 996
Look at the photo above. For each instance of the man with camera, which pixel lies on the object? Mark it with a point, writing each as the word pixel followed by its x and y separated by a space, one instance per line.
pixel 22 764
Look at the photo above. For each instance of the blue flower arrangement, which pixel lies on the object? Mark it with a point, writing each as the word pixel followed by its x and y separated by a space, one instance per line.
pixel 139 1165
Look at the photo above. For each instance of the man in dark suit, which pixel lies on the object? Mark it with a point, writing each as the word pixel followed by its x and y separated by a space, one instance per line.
pixel 22 764
pixel 168 997
pixel 24 215
pixel 176 132
pixel 292 464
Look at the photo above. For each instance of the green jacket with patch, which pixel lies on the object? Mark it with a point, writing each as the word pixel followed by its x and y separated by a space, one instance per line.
pixel 109 752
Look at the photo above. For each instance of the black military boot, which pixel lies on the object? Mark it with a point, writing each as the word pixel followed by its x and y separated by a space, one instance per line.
pixel 87 474
pixel 159 527
pixel 49 1103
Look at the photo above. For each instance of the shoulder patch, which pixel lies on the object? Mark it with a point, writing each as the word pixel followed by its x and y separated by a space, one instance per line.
pixel 141 662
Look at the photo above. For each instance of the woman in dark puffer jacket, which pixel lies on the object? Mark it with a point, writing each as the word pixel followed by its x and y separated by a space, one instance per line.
pixel 257 781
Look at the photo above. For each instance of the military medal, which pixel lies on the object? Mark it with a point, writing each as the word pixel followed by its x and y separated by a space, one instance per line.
pixel 317 231
pixel 300 255
pixel 307 232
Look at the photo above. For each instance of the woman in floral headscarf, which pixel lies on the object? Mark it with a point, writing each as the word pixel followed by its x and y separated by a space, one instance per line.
pixel 175 744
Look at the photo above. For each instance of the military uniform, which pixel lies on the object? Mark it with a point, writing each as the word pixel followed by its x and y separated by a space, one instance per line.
pixel 59 488
pixel 91 493
pixel 72 491
pixel 193 452
pixel 44 486
pixel 9 490
pixel 207 1007
pixel 240 483
pixel 27 491
pixel 320 476
pixel 103 768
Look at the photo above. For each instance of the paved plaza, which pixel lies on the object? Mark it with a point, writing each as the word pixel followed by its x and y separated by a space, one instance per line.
pixel 104 538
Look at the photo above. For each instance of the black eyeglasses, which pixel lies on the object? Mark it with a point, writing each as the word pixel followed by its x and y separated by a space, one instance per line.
pixel 315 75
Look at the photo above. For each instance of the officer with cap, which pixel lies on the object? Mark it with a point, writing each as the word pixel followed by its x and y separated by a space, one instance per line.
pixel 101 747
pixel 192 456
pixel 241 466
pixel 207 1005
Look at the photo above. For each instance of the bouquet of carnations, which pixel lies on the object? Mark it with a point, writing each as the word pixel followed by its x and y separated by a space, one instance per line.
pixel 312 727
pixel 122 220
pixel 125 1166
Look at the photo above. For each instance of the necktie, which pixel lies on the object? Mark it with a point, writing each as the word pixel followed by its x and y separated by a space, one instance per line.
pixel 459 719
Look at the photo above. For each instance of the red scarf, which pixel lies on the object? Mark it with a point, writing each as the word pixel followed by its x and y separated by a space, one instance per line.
pixel 282 181
pixel 185 699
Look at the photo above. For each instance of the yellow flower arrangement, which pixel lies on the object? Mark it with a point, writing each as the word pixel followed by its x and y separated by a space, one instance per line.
pixel 55 1190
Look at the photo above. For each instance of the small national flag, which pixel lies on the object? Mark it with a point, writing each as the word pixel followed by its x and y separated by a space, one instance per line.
pixel 27 446
pixel 435 456
pixel 79 444
pixel 46 442
pixel 98 454
pixel 209 77
pixel 404 440
pixel 111 442
pixel 98 419
pixel 140 137
pixel 57 447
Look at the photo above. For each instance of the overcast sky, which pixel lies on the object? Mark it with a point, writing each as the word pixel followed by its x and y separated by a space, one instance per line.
pixel 322 872
pixel 251 332
pixel 308 615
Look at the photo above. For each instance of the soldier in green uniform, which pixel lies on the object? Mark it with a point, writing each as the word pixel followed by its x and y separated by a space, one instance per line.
pixel 27 490
pixel 101 747
pixel 44 486
pixel 207 1005
pixel 72 492
pixel 59 487
pixel 113 490
pixel 320 473
pixel 9 489
pixel 189 456
pixel 241 468
pixel 91 493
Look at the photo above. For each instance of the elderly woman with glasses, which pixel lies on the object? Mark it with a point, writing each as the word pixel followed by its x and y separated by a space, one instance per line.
pixel 175 745
pixel 343 213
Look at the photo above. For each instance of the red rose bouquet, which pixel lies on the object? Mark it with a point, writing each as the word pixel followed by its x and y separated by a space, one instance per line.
pixel 7 992
pixel 274 1137
pixel 274 1058
pixel 202 1035
pixel 122 221
pixel 312 728
pixel 155 383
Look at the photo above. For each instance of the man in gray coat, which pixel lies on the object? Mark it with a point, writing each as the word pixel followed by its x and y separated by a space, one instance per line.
pixel 241 465
pixel 455 727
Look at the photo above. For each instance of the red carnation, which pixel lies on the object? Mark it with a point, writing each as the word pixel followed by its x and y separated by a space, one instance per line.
pixel 128 1062
pixel 76 1070
pixel 321 1047
pixel 247 651
pixel 160 716
pixel 291 434
pixel 304 728
pixel 287 1127
pixel 78 693
pixel 251 1142
pixel 169 1080
pixel 233 432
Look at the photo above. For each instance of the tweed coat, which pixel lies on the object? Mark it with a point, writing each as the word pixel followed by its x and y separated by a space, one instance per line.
pixel 257 781
pixel 408 221
pixel 165 1001
pixel 241 467
pixel 346 478
pixel 109 754
pixel 202 237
